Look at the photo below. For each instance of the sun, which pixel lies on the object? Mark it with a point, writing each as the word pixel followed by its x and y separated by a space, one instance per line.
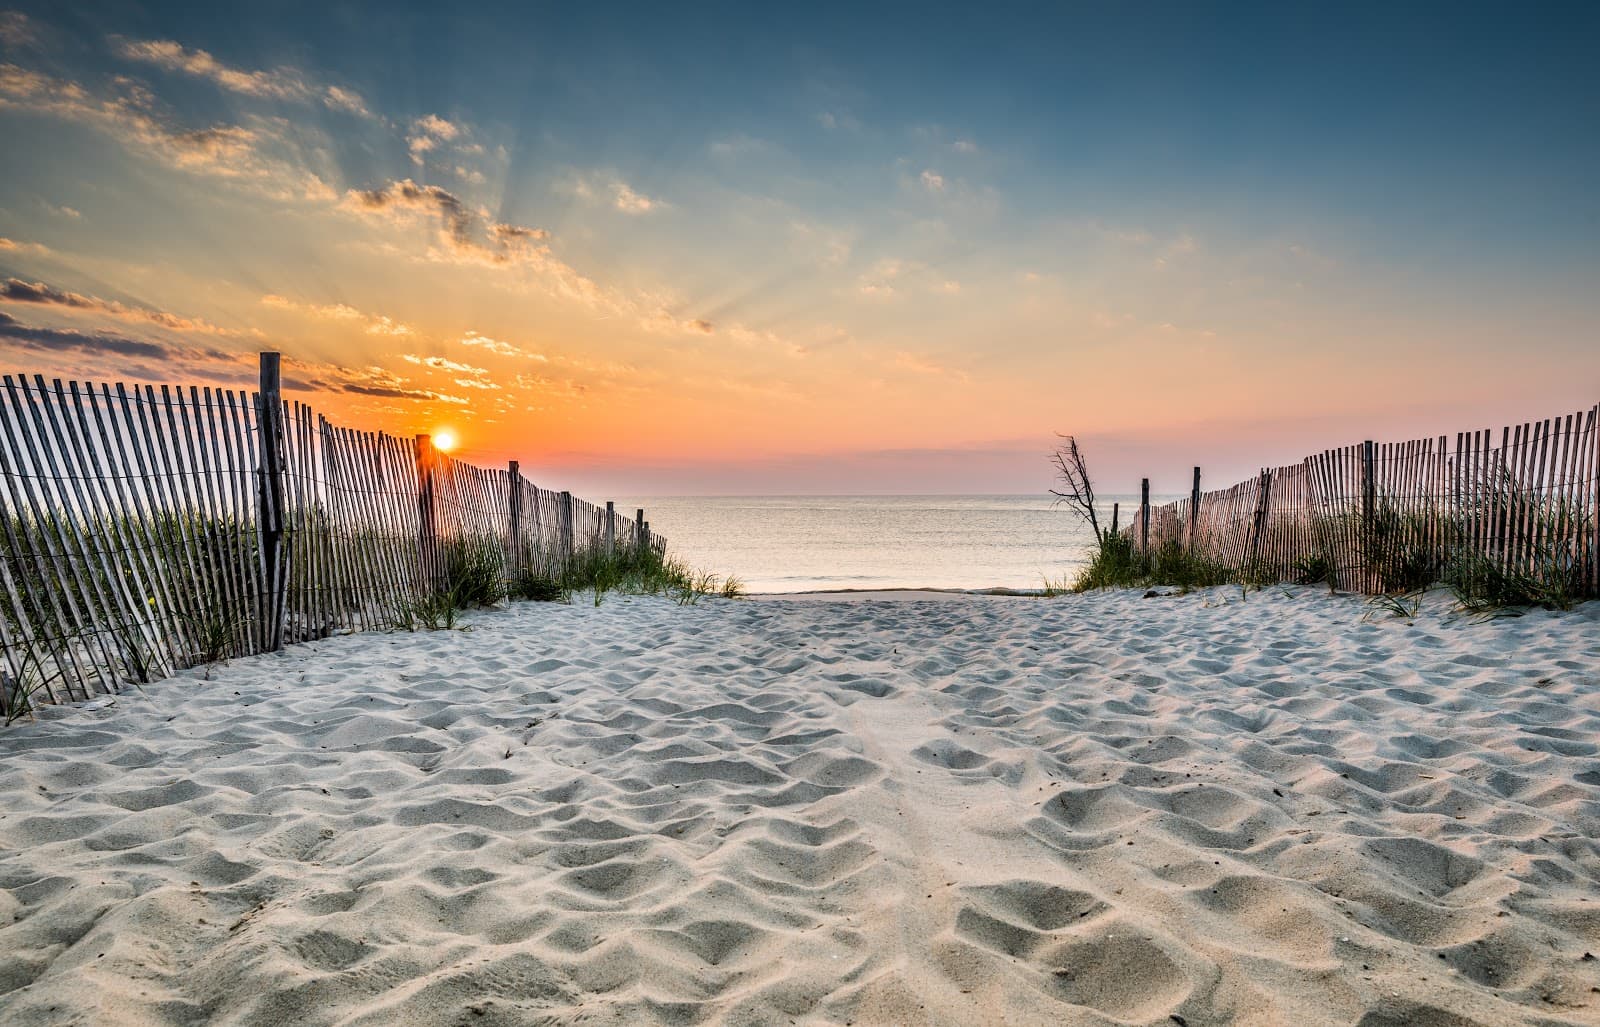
pixel 444 441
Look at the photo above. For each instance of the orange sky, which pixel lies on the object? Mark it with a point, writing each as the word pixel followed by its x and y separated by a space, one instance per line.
pixel 846 294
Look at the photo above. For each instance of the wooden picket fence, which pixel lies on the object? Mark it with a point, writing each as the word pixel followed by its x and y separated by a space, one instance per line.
pixel 1389 517
pixel 147 528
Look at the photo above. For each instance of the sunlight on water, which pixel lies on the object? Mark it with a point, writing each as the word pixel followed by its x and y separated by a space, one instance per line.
pixel 798 543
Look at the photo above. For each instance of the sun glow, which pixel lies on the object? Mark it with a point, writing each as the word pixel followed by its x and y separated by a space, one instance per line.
pixel 444 441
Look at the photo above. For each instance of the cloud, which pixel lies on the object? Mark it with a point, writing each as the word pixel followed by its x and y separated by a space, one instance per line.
pixel 427 133
pixel 279 84
pixel 630 202
pixel 622 196
pixel 57 339
pixel 442 364
pixel 15 290
pixel 16 29
pixel 964 146
pixel 495 346
pixel 932 181
pixel 372 324
pixel 338 99
pixel 128 115
pixel 283 83
pixel 375 381
pixel 832 120
pixel 14 246
pixel 64 211
pixel 667 323
pixel 462 230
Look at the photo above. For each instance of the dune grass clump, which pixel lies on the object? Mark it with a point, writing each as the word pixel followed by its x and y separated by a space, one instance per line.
pixel 1552 580
pixel 534 585
pixel 1117 563
pixel 640 571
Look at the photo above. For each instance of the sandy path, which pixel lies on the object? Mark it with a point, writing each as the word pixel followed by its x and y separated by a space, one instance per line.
pixel 1091 810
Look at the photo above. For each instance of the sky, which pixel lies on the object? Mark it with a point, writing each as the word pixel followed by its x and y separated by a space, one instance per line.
pixel 818 248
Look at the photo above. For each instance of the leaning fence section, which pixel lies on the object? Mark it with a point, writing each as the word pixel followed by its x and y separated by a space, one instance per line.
pixel 144 529
pixel 1390 517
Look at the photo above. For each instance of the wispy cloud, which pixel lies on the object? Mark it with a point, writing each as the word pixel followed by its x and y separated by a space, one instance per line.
pixel 283 83
pixel 443 364
pixel 16 29
pixel 376 381
pixel 666 322
pixel 471 237
pixel 128 113
pixel 55 339
pixel 428 133
pixel 372 324
pixel 932 181
pixel 18 246
pixel 463 231
pixel 630 201
pixel 499 348
pixel 615 192
pixel 838 120
pixel 14 290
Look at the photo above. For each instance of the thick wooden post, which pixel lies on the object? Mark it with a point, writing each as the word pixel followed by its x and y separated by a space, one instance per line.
pixel 1114 509
pixel 611 527
pixel 270 505
pixel 641 531
pixel 1369 503
pixel 514 522
pixel 427 523
pixel 1369 484
pixel 1194 510
pixel 568 550
pixel 1144 515
pixel 1259 522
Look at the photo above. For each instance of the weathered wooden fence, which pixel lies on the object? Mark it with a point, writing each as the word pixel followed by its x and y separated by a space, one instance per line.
pixel 146 529
pixel 1389 516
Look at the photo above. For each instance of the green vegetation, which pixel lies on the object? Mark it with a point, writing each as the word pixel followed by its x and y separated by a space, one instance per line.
pixel 1503 546
pixel 474 569
pixel 1117 563
pixel 1404 605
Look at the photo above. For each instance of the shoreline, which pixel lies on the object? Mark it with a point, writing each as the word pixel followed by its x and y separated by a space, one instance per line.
pixel 900 592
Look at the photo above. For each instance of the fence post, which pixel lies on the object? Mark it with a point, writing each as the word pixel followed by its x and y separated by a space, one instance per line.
pixel 1594 468
pixel 641 531
pixel 1144 515
pixel 270 503
pixel 1369 503
pixel 1194 510
pixel 427 523
pixel 567 548
pixel 1114 508
pixel 514 477
pixel 611 527
pixel 1258 522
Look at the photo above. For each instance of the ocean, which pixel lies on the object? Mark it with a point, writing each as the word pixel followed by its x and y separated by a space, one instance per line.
pixel 805 543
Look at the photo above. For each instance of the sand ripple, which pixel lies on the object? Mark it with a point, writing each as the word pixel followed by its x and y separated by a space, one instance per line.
pixel 1095 810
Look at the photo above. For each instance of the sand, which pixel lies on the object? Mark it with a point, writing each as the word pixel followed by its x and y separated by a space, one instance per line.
pixel 1088 810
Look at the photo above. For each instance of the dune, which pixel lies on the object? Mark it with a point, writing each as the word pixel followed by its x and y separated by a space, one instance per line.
pixel 1100 809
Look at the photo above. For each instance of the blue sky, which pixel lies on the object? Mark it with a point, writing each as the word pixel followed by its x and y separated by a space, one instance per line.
pixel 820 245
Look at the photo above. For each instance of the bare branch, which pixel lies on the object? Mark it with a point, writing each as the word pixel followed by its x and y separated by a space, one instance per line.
pixel 1077 490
